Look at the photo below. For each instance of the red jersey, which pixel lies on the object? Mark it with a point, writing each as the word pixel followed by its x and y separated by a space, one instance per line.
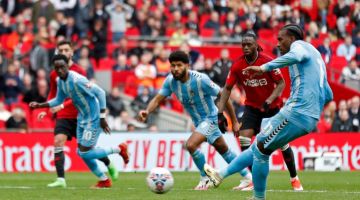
pixel 69 111
pixel 258 88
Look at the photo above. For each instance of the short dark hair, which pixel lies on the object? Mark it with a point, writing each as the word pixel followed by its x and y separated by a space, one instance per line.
pixel 179 56
pixel 59 57
pixel 249 34
pixel 64 42
pixel 294 30
pixel 252 35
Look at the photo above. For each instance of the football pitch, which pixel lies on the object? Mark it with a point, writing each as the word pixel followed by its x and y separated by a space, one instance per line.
pixel 317 185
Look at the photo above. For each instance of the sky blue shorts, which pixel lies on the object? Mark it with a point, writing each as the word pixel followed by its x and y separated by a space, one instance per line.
pixel 210 130
pixel 279 131
pixel 88 134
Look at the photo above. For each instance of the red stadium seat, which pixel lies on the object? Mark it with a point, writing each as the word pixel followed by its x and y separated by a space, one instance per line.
pixel 119 77
pixel 207 32
pixel 133 31
pixel 106 63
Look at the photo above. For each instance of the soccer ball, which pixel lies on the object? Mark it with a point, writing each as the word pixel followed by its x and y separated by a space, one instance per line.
pixel 160 180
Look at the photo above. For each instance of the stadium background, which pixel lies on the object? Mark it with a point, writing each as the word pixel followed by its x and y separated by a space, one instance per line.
pixel 123 46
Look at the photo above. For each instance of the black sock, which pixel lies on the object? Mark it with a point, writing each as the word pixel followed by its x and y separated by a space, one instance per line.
pixel 243 148
pixel 59 164
pixel 288 156
pixel 105 160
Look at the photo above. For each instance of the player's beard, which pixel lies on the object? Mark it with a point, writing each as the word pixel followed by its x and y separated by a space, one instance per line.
pixel 180 76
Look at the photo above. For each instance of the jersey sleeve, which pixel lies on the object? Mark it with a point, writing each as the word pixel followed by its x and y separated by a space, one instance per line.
pixel 276 75
pixel 296 54
pixel 94 89
pixel 209 87
pixel 59 98
pixel 166 88
pixel 232 77
pixel 53 87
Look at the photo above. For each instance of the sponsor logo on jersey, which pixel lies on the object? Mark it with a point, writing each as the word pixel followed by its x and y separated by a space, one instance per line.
pixel 255 82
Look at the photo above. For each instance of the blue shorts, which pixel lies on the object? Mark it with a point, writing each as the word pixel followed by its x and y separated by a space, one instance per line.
pixel 88 134
pixel 279 131
pixel 210 130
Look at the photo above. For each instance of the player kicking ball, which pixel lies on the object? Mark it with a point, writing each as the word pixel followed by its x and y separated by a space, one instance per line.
pixel 310 91
pixel 89 99
pixel 196 92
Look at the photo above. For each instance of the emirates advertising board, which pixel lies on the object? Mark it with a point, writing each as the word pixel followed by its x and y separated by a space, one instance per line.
pixel 34 152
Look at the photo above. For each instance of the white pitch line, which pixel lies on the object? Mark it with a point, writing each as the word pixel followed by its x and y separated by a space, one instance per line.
pixel 287 191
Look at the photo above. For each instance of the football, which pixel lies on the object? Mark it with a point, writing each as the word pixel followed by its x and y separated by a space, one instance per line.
pixel 160 180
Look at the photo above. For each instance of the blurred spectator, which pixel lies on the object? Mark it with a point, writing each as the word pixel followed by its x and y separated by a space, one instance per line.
pixel 298 18
pixel 213 22
pixel 223 35
pixel 193 38
pixel 121 49
pixel 140 103
pixel 115 103
pixel 99 39
pixel 28 83
pixel 4 114
pixel 323 6
pixel 99 13
pixel 17 120
pixel 194 54
pixel 38 93
pixel 134 62
pixel 69 30
pixel 325 50
pixel 313 30
pixel 17 38
pixel 350 75
pixel 121 63
pixel 39 57
pixel 192 22
pixel 5 25
pixel 65 6
pixel 222 67
pixel 83 17
pixel 119 12
pixel 327 118
pixel 140 49
pixel 231 21
pixel 176 20
pixel 145 71
pixel 88 67
pixel 12 85
pixel 354 112
pixel 43 8
pixel 120 122
pixel 162 64
pixel 342 11
pixel 178 37
pixel 343 123
pixel 346 49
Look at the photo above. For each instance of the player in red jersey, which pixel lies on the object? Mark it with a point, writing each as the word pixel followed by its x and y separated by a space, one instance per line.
pixel 66 120
pixel 262 99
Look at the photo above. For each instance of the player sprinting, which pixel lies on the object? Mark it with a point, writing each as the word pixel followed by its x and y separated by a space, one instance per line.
pixel 90 101
pixel 196 92
pixel 310 91
pixel 262 99
pixel 66 120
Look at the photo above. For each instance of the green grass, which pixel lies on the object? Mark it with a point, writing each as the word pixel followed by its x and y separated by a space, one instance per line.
pixel 28 186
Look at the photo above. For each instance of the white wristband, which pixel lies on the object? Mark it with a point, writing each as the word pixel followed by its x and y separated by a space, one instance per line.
pixel 62 106
pixel 102 115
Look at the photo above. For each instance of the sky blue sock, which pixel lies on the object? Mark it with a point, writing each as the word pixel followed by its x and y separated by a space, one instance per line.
pixel 229 156
pixel 261 167
pixel 238 164
pixel 93 166
pixel 95 153
pixel 199 160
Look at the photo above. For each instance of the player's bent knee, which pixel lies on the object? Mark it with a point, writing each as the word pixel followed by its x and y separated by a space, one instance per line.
pixel 262 149
pixel 59 140
pixel 191 147
pixel 284 148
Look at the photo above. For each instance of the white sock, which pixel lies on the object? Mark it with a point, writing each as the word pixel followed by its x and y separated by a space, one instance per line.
pixel 248 176
pixel 61 179
pixel 295 178
pixel 103 178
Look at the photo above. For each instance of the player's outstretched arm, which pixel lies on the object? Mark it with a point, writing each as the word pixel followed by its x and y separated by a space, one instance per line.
pixel 154 103
pixel 36 105
pixel 224 97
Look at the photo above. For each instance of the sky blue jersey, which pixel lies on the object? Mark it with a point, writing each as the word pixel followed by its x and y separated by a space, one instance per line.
pixel 310 90
pixel 87 97
pixel 197 95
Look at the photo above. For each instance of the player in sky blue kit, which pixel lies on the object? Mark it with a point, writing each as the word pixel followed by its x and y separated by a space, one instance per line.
pixel 89 99
pixel 197 93
pixel 310 91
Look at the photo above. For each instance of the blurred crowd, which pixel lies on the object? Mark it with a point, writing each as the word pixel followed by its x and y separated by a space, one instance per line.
pixel 136 36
